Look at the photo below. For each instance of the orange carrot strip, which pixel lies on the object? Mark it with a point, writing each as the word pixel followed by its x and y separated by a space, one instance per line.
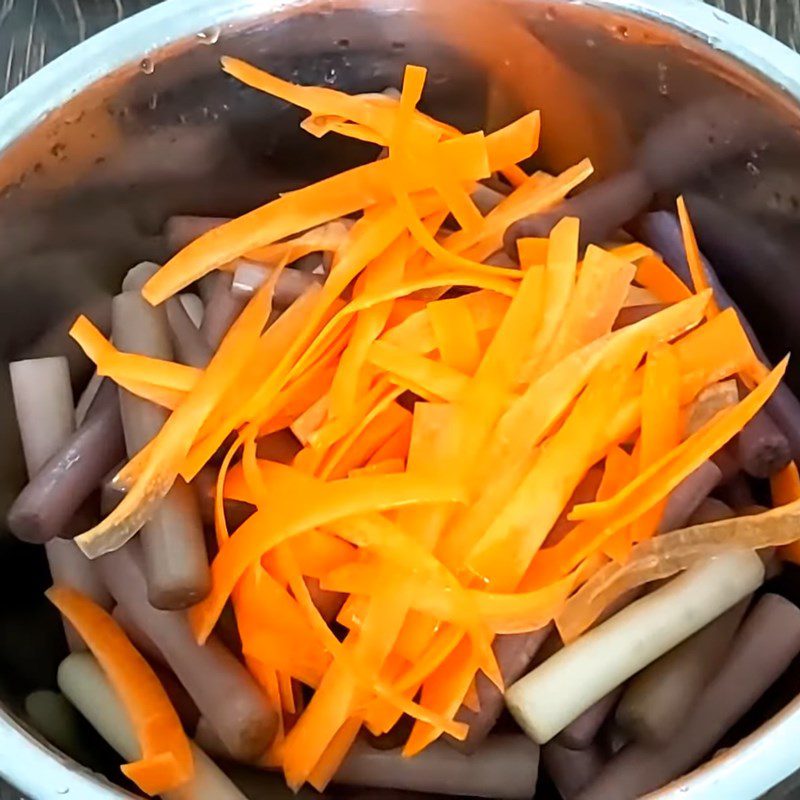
pixel 502 286
pixel 619 470
pixel 132 366
pixel 438 647
pixel 636 251
pixel 327 238
pixel 318 553
pixel 166 398
pixel 375 531
pixel 785 485
pixel 404 308
pixel 333 430
pixel 362 442
pixel 595 304
pixel 280 477
pixel 540 408
pixel 311 736
pixel 562 262
pixel 297 512
pixel 328 200
pixel 166 761
pixel 270 349
pixel 535 251
pixel 661 426
pixel 322 101
pixel 663 476
pixel 494 380
pixel 471 699
pixel 291 213
pixel 319 126
pixel 653 274
pixel 386 467
pixel 334 755
pixel 515 175
pixel 433 450
pixel 456 334
pixel 562 462
pixel 366 241
pixel 536 195
pixel 344 657
pixel 502 613
pixel 444 691
pixel 693 257
pixel 269 619
pixel 311 420
pixel 384 273
pixel 486 309
pixel 712 352
pixel 396 446
pixel 418 372
pixel 405 150
pixel 286 692
pixel 350 378
pixel 171 445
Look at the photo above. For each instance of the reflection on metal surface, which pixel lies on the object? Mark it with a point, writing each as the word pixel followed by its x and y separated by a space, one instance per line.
pixel 33 32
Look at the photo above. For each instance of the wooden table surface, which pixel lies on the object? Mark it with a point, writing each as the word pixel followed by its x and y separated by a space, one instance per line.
pixel 33 32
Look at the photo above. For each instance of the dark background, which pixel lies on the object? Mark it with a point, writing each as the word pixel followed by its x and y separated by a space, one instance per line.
pixel 33 32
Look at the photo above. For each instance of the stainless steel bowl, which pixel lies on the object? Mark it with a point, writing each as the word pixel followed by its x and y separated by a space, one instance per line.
pixel 138 123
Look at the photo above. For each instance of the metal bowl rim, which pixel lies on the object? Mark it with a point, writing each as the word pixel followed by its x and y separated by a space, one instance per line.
pixel 746 771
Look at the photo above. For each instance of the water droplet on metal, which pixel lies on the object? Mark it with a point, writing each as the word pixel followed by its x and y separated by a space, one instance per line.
pixel 330 76
pixel 753 169
pixel 550 14
pixel 591 43
pixel 663 85
pixel 152 103
pixel 147 66
pixel 210 35
pixel 620 31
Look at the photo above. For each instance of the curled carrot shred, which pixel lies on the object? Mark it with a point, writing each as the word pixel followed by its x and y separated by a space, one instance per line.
pixel 166 761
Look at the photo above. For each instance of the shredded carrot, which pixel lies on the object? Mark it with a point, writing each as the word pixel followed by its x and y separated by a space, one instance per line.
pixel 561 465
pixel 660 428
pixel 599 293
pixel 384 273
pixel 294 515
pixel 464 444
pixel 171 445
pixel 562 263
pixel 785 485
pixel 620 468
pixel 423 375
pixel 664 475
pixel 456 335
pixel 166 761
pixel 326 238
pixel 654 275
pixel 693 257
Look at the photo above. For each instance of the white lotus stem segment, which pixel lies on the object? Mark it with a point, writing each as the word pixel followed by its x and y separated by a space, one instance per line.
pixel 84 683
pixel 764 647
pixel 545 701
